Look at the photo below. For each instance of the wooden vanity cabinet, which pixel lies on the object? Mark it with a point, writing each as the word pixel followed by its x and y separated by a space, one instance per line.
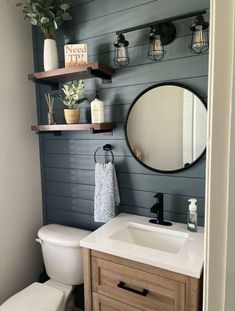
pixel 112 283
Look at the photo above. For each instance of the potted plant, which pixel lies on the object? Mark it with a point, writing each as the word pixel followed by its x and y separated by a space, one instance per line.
pixel 72 96
pixel 48 16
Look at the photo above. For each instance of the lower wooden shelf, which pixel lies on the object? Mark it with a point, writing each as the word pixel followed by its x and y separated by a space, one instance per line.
pixel 94 128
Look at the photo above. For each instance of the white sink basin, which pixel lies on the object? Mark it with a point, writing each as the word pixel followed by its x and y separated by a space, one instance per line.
pixel 132 237
pixel 155 238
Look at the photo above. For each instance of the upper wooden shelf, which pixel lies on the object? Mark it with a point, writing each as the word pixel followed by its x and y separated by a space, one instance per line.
pixel 93 128
pixel 61 75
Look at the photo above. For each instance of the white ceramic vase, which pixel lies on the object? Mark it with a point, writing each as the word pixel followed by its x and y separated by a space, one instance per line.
pixel 50 57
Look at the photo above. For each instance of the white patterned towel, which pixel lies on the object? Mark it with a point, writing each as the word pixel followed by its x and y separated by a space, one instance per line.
pixel 106 192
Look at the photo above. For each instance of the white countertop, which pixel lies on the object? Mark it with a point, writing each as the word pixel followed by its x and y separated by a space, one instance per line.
pixel 188 261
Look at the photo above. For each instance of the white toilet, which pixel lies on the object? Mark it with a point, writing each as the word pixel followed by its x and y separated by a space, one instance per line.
pixel 62 257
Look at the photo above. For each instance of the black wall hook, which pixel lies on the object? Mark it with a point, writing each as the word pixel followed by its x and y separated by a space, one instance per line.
pixel 106 147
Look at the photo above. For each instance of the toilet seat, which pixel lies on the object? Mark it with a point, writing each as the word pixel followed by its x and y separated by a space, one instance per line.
pixel 36 297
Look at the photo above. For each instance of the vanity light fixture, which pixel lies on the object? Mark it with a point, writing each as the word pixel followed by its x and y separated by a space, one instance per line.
pixel 121 55
pixel 200 41
pixel 156 50
pixel 160 35
pixel 163 32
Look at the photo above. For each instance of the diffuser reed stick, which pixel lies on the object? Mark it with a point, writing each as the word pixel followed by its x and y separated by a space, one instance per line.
pixel 50 102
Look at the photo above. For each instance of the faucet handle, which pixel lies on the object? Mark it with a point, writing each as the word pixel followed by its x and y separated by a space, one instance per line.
pixel 154 208
pixel 158 196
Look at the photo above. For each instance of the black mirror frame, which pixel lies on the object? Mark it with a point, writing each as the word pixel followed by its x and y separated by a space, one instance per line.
pixel 128 114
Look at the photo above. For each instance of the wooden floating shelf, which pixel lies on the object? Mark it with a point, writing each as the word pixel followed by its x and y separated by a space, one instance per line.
pixel 61 75
pixel 93 128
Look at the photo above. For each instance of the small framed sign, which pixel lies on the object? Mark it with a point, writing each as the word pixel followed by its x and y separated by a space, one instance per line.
pixel 75 54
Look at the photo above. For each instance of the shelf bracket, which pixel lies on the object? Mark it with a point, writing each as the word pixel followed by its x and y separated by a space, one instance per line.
pixel 54 86
pixel 106 79
pixel 55 133
pixel 106 132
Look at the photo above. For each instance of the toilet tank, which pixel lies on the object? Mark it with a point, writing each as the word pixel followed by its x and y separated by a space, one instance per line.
pixel 62 253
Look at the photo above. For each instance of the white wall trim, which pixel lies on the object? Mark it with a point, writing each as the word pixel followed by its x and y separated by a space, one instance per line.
pixel 230 258
pixel 220 182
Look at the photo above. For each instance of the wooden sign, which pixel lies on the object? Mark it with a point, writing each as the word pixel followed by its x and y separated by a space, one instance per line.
pixel 75 54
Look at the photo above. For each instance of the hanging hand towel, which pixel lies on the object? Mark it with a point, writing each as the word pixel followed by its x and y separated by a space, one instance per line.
pixel 106 192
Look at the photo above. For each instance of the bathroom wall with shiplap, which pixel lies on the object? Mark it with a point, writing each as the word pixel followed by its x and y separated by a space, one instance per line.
pixel 67 160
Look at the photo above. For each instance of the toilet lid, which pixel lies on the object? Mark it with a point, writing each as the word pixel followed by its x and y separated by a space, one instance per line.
pixel 36 297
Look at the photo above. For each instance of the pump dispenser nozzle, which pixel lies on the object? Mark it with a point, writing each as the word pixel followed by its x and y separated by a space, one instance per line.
pixel 193 205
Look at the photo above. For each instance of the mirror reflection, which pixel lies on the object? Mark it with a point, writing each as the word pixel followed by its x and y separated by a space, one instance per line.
pixel 166 128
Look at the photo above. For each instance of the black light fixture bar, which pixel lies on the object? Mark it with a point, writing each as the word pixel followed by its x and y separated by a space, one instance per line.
pixel 166 20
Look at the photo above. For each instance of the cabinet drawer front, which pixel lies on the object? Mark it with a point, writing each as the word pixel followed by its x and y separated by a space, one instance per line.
pixel 137 288
pixel 103 303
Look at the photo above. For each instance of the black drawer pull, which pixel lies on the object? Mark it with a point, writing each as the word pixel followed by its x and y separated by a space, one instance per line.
pixel 122 285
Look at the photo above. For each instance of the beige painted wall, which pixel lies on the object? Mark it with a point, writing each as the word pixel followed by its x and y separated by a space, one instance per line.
pixel 20 188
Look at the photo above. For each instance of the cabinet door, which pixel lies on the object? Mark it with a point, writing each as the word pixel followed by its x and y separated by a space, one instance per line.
pixel 103 303
pixel 140 289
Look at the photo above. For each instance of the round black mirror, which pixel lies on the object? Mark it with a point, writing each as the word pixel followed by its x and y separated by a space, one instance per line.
pixel 166 128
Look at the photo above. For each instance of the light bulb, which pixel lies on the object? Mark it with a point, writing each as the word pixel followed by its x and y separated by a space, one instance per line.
pixel 199 43
pixel 156 50
pixel 121 53
pixel 198 38
pixel 157 45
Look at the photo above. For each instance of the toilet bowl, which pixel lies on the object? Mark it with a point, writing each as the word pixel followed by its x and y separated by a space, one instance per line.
pixel 63 261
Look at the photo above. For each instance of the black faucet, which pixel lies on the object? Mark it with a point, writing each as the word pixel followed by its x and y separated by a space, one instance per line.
pixel 158 208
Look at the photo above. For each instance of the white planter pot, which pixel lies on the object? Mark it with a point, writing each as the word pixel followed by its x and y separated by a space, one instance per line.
pixel 50 59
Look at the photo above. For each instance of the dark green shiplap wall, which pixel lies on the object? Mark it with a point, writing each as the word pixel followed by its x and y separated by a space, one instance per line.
pixel 67 160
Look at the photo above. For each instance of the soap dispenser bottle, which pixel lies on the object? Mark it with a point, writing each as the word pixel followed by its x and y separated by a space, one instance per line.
pixel 97 110
pixel 192 215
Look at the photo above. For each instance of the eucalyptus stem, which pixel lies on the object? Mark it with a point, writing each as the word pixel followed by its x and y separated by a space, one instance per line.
pixel 47 15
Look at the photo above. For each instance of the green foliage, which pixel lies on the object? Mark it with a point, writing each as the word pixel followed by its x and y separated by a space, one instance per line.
pixel 48 15
pixel 72 93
